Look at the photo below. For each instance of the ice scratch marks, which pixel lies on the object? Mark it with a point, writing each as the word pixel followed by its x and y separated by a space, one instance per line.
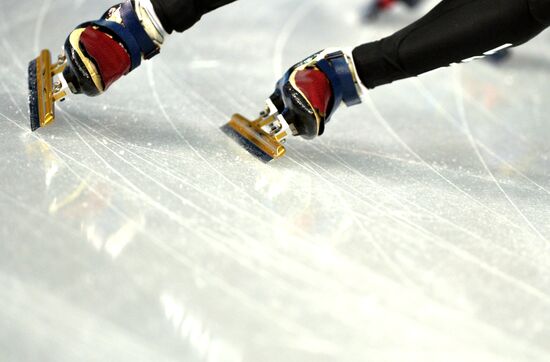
pixel 129 187
pixel 176 129
pixel 40 24
pixel 368 203
pixel 182 221
pixel 171 250
pixel 491 116
pixel 439 107
pixel 145 160
pixel 160 105
pixel 285 33
pixel 275 255
pixel 278 69
pixel 399 272
pixel 399 201
pixel 513 168
pixel 9 50
pixel 206 162
pixel 14 102
pixel 206 107
pixel 151 78
pixel 382 121
pixel 436 239
pixel 462 112
pixel 67 159
pixel 35 213
pixel 222 242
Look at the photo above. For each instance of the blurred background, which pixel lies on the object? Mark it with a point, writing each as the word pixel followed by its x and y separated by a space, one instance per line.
pixel 417 228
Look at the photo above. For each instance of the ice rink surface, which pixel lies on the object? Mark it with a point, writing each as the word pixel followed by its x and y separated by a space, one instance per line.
pixel 416 229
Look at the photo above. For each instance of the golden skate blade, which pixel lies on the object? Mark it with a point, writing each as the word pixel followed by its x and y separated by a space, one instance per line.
pixel 41 90
pixel 256 141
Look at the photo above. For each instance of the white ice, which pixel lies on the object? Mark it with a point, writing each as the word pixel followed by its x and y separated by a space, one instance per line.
pixel 416 229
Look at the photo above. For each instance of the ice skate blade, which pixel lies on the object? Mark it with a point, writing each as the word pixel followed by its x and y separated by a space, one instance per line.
pixel 42 95
pixel 255 140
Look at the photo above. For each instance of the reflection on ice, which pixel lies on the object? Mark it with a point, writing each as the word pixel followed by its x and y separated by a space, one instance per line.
pixel 192 330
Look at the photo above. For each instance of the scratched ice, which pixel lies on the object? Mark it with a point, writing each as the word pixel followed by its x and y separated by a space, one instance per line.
pixel 416 229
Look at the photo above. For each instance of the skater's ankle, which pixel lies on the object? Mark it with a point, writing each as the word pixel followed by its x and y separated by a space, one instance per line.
pixel 150 21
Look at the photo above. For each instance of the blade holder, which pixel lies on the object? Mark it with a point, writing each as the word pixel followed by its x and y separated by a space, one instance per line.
pixel 47 92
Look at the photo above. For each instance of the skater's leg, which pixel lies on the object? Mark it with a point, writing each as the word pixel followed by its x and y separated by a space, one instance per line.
pixel 98 54
pixel 453 31
pixel 180 15
pixel 310 92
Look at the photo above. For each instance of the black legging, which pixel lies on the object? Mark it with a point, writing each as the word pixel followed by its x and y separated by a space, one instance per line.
pixel 180 15
pixel 453 31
